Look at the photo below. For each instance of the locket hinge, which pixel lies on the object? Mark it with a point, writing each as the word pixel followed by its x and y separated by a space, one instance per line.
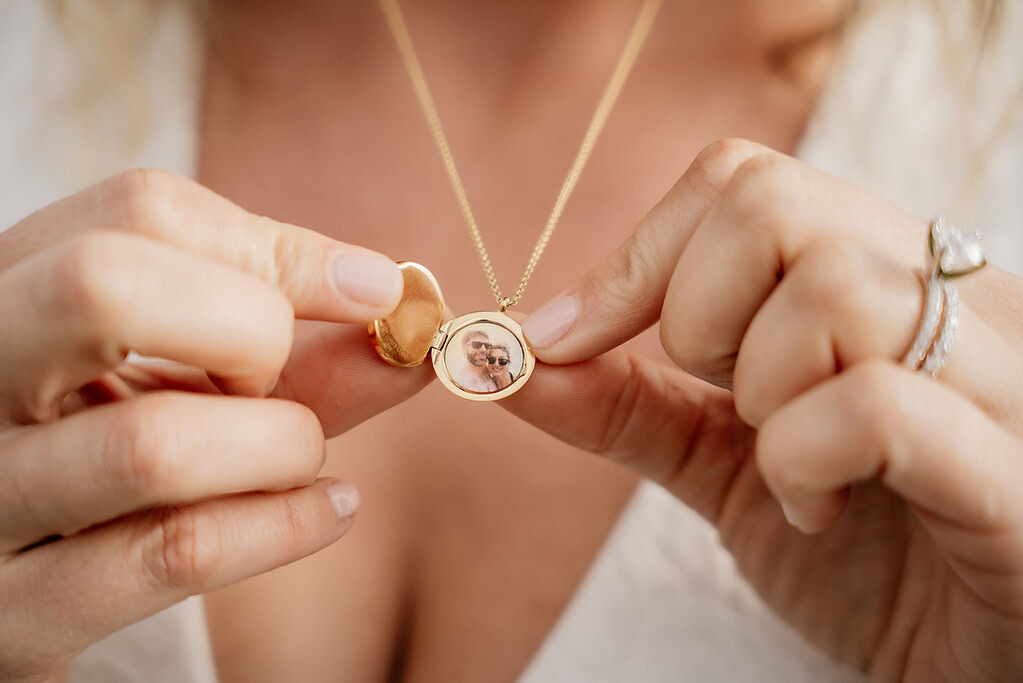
pixel 438 339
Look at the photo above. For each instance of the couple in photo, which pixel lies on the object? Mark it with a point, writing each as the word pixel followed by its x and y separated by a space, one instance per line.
pixel 487 364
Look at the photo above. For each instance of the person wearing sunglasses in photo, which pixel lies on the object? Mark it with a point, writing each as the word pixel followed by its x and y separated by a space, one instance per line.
pixel 475 374
pixel 497 365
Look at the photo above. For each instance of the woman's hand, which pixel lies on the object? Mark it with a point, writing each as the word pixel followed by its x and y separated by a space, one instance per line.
pixel 146 482
pixel 787 296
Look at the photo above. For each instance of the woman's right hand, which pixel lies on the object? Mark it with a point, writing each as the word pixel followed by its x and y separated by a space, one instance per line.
pixel 127 485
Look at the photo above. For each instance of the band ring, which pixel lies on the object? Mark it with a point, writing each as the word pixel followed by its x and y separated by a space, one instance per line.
pixel 952 252
pixel 938 356
pixel 934 304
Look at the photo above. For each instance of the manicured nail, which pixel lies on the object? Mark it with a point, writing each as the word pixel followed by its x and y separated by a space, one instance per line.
pixel 367 278
pixel 792 516
pixel 552 321
pixel 344 497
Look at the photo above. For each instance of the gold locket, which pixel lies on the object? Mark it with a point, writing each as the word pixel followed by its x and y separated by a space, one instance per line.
pixel 481 356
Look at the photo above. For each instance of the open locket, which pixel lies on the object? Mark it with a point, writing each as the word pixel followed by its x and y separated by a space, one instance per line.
pixel 481 356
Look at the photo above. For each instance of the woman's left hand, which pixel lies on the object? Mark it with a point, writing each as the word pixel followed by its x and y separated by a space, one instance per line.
pixel 787 297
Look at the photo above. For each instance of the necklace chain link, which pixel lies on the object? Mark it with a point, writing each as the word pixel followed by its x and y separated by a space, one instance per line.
pixel 399 29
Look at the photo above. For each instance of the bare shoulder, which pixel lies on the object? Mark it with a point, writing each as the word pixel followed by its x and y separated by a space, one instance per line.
pixel 473 533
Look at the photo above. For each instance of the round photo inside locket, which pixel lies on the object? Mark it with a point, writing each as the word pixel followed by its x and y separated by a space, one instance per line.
pixel 484 357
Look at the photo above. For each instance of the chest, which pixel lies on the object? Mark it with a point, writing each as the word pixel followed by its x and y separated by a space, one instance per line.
pixel 353 158
pixel 356 161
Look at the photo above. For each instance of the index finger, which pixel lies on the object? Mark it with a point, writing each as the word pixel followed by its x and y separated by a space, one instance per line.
pixel 623 296
pixel 323 278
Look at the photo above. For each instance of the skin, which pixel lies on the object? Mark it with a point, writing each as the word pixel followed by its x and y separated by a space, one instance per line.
pixel 480 520
pixel 876 510
pixel 104 493
pixel 928 471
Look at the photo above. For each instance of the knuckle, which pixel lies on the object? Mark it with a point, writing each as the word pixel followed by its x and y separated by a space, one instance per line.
pixel 140 444
pixel 183 548
pixel 280 321
pixel 765 191
pixel 94 281
pixel 270 324
pixel 269 331
pixel 304 427
pixel 298 521
pixel 141 198
pixel 771 456
pixel 624 281
pixel 82 272
pixel 778 463
pixel 288 253
pixel 727 147
pixel 748 395
pixel 711 170
pixel 634 424
pixel 623 407
pixel 828 277
pixel 880 404
pixel 675 344
pixel 872 397
pixel 695 354
pixel 726 153
pixel 872 392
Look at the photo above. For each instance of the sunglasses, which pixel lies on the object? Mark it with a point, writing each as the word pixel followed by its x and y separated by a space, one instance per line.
pixel 479 345
pixel 500 361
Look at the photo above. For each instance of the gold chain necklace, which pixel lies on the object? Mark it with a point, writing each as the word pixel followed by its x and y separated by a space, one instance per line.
pixel 637 37
pixel 490 359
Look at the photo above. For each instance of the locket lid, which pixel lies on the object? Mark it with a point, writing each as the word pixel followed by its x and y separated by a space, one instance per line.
pixel 405 336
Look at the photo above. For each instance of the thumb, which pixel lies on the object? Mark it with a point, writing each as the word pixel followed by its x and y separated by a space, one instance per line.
pixel 334 371
pixel 623 296
pixel 663 424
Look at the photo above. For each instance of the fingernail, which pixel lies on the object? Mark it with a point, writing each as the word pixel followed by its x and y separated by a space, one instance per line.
pixel 552 321
pixel 367 278
pixel 792 516
pixel 344 497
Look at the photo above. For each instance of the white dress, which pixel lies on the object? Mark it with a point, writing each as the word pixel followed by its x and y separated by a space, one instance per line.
pixel 663 601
